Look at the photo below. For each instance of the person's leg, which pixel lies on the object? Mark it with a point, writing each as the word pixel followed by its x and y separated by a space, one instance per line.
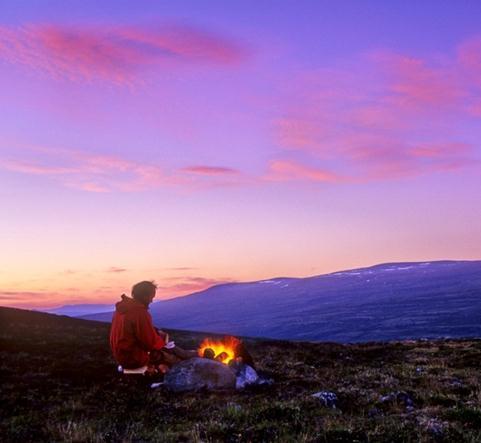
pixel 161 361
pixel 170 357
pixel 183 354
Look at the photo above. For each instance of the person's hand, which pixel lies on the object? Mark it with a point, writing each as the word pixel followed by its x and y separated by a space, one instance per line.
pixel 164 335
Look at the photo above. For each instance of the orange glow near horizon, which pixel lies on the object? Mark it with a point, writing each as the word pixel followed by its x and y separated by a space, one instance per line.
pixel 106 286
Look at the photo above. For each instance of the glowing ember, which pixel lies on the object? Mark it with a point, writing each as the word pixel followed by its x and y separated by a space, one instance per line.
pixel 226 347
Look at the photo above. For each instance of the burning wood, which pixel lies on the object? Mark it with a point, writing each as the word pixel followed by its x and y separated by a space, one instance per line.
pixel 222 357
pixel 220 350
pixel 225 351
pixel 209 353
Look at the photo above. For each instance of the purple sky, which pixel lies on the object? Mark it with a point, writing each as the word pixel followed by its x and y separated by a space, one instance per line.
pixel 202 142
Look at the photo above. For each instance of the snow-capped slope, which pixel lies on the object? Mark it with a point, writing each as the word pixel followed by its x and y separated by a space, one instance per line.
pixel 382 302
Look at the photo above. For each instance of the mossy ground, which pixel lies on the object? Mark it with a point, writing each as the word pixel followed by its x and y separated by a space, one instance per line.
pixel 59 383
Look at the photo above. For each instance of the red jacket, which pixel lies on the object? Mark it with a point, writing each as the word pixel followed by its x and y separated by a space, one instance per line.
pixel 132 334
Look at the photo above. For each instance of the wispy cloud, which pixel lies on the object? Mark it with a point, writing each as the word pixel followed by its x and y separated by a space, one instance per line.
pixel 469 57
pixel 210 170
pixel 415 82
pixel 116 270
pixel 35 168
pixel 26 298
pixel 288 170
pixel 188 284
pixel 90 172
pixel 69 272
pixel 398 116
pixel 4 295
pixel 114 54
pixel 101 173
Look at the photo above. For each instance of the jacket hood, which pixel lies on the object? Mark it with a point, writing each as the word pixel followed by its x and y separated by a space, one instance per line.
pixel 128 304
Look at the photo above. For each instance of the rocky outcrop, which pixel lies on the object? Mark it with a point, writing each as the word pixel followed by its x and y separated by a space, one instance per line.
pixel 199 373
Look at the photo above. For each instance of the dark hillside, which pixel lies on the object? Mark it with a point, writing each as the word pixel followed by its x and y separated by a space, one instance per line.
pixel 59 384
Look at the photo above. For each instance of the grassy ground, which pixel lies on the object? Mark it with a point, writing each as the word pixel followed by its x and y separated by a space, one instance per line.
pixel 58 383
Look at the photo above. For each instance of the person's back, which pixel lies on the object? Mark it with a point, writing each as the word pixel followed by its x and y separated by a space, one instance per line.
pixel 132 335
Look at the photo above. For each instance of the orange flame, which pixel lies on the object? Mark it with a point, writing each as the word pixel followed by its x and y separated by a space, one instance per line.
pixel 227 345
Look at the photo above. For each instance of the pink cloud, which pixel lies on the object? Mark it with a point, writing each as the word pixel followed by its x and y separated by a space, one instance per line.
pixel 113 54
pixel 7 295
pixel 107 173
pixel 34 168
pixel 186 43
pixel 378 116
pixel 377 156
pixel 398 117
pixel 297 133
pixel 92 173
pixel 186 285
pixel 116 270
pixel 210 170
pixel 438 151
pixel 475 109
pixel 27 299
pixel 287 170
pixel 90 187
pixel 389 160
pixel 469 56
pixel 416 83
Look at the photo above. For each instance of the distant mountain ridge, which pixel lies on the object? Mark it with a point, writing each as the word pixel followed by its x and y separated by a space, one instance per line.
pixel 79 310
pixel 383 302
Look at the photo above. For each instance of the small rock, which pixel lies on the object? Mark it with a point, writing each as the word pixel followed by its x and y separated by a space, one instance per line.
pixel 400 397
pixel 327 398
pixel 389 398
pixel 247 376
pixel 433 426
pixel 456 383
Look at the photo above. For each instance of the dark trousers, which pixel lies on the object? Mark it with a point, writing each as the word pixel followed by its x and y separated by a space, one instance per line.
pixel 170 357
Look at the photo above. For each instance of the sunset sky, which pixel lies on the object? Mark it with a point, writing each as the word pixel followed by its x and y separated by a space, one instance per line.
pixel 198 142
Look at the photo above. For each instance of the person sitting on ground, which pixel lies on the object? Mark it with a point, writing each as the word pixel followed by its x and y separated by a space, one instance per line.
pixel 135 343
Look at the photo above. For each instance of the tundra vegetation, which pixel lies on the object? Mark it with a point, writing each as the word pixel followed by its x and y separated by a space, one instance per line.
pixel 59 383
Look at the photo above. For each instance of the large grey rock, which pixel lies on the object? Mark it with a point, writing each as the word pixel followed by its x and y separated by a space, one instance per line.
pixel 199 373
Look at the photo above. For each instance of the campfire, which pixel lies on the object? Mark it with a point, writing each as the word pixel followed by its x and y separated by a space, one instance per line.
pixel 223 351
pixel 222 364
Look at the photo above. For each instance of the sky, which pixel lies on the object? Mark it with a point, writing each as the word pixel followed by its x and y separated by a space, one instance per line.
pixel 196 143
